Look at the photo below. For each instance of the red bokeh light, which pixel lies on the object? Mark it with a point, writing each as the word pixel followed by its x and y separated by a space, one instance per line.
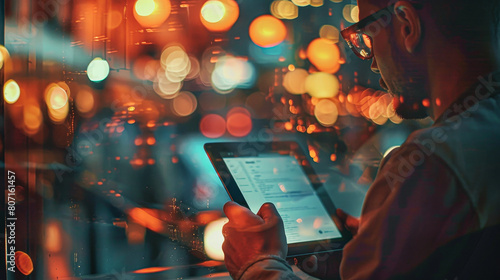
pixel 213 126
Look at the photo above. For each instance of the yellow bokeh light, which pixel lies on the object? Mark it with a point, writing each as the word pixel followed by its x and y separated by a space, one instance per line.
pixel 152 13
pixel 33 118
pixel 219 15
pixel 295 81
pixel 145 8
pixel 322 85
pixel 184 104
pixel 301 3
pixel 349 11
pixel 316 3
pixel 284 9
pixel 267 31
pixel 11 92
pixel 326 112
pixel 329 32
pixel 213 239
pixel 57 97
pixel 84 101
pixel 213 11
pixel 324 54
pixel 98 70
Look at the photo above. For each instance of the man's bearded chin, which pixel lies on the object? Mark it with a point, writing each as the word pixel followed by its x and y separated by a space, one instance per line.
pixel 410 107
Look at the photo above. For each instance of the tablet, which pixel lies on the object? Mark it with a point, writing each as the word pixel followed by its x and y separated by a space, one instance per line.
pixel 254 173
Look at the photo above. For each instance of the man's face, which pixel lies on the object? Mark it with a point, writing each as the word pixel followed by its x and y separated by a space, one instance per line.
pixel 401 71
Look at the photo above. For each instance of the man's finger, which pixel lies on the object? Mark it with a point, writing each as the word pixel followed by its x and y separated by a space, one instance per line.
pixel 268 211
pixel 341 214
pixel 240 215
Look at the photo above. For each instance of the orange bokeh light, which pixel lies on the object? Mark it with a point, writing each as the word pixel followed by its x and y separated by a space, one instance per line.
pixel 267 31
pixel 219 15
pixel 239 122
pixel 324 54
pixel 24 263
pixel 213 126
pixel 152 13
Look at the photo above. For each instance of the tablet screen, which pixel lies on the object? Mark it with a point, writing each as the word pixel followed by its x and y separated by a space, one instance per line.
pixel 281 180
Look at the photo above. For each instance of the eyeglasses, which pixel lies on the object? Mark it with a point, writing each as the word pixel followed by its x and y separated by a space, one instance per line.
pixel 358 41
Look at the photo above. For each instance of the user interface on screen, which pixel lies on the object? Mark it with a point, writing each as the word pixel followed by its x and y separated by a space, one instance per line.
pixel 281 180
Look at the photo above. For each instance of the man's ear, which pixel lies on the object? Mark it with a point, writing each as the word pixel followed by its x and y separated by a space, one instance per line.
pixel 411 27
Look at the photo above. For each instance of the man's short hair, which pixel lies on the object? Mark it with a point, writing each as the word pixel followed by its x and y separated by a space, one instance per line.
pixel 467 20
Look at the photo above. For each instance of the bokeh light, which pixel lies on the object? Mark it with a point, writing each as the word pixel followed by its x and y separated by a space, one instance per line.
pixel 239 122
pixel 295 81
pixel 175 63
pixel 184 104
pixel 23 263
pixel 213 126
pixel 322 85
pixel 351 13
pixel 85 101
pixel 326 112
pixel 152 13
pixel 33 118
pixel 213 239
pixel 232 72
pixel 219 15
pixel 324 54
pixel 301 3
pixel 56 98
pixel 284 9
pixel 145 8
pixel 98 70
pixel 11 91
pixel 267 31
pixel 329 32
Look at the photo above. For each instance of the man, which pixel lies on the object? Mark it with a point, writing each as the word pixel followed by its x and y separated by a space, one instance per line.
pixel 433 212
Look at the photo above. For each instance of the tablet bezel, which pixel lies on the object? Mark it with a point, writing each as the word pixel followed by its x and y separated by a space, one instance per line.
pixel 216 152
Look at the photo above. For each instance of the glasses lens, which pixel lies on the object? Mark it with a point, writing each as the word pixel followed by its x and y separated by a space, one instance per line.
pixel 362 44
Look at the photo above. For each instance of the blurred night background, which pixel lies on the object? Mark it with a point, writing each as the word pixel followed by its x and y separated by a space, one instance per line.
pixel 107 105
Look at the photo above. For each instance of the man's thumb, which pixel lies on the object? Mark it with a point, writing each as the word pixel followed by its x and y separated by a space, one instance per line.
pixel 268 211
pixel 240 215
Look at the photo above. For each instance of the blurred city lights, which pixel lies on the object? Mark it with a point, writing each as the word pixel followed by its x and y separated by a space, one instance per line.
pixel 301 3
pixel 23 263
pixel 213 11
pixel 326 112
pixel 11 91
pixel 322 85
pixel 84 101
pixel 284 9
pixel 176 63
pixel 219 15
pixel 56 98
pixel 145 8
pixel 267 31
pixel 351 13
pixel 324 54
pixel 232 72
pixel 239 122
pixel 213 239
pixel 329 32
pixel 184 104
pixel 213 126
pixel 152 13
pixel 295 81
pixel 98 70
pixel 33 118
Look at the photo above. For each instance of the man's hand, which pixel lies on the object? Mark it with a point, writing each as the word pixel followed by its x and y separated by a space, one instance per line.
pixel 248 236
pixel 327 265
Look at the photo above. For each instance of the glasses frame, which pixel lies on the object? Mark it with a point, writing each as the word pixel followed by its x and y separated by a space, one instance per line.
pixel 358 27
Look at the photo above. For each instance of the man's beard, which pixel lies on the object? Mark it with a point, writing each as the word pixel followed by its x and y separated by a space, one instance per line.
pixel 411 106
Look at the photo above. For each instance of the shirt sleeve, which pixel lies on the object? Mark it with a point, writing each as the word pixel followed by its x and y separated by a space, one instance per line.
pixel 415 207
pixel 267 267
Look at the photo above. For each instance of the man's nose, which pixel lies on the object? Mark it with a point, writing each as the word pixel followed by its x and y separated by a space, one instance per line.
pixel 374 66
